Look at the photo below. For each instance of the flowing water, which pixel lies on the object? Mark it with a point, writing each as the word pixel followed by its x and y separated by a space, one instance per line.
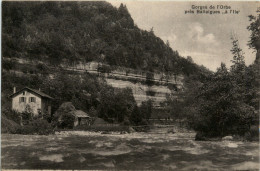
pixel 156 151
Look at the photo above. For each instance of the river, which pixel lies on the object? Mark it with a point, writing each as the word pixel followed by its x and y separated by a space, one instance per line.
pixel 150 151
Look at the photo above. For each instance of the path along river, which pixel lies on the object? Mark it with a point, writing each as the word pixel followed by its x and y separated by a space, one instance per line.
pixel 89 150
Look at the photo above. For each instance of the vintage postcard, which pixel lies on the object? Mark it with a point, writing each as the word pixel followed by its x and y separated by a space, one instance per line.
pixel 130 85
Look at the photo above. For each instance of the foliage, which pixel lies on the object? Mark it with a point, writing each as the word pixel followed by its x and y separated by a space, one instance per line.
pixel 146 109
pixel 104 69
pixel 122 108
pixel 8 65
pixel 254 27
pixel 11 115
pixel 238 58
pixel 63 117
pixel 72 32
pixel 149 78
pixel 225 100
pixel 116 106
pixel 43 68
pixel 92 112
pixel 38 126
pixel 183 104
pixel 137 118
pixel 8 125
pixel 66 121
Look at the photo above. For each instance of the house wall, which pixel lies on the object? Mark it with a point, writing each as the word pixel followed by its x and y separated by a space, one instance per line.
pixel 20 106
pixel 46 106
pixel 84 121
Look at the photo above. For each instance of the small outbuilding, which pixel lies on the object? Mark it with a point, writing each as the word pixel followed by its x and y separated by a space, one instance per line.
pixel 81 118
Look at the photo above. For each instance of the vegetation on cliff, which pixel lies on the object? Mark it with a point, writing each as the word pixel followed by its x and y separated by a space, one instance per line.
pixel 72 32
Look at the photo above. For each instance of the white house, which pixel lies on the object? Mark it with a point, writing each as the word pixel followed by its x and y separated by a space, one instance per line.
pixel 36 100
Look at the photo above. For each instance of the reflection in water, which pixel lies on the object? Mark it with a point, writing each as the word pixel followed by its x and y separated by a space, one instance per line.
pixel 85 150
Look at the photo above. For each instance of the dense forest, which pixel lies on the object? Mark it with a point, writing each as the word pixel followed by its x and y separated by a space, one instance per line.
pixel 70 32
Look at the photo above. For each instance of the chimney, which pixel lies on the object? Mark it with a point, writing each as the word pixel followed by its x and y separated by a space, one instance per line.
pixel 14 89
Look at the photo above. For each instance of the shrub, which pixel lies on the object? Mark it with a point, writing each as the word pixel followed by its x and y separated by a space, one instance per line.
pixel 63 117
pixel 252 134
pixel 104 69
pixel 149 78
pixel 9 126
pixel 8 65
pixel 12 115
pixel 67 121
pixel 126 122
pixel 39 126
pixel 47 117
pixel 44 69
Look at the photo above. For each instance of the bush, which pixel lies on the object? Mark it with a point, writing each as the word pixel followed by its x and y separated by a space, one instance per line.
pixel 150 78
pixel 200 136
pixel 8 65
pixel 47 117
pixel 12 115
pixel 67 121
pixel 43 68
pixel 104 69
pixel 63 118
pixel 39 126
pixel 126 122
pixel 9 126
pixel 252 134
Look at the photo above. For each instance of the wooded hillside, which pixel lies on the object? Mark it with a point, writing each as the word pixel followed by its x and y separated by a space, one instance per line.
pixel 70 32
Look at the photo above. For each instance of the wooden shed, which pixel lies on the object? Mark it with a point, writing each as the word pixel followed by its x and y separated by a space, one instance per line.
pixel 81 118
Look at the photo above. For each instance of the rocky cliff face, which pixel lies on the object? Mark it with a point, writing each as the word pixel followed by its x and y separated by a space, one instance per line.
pixel 142 92
pixel 155 86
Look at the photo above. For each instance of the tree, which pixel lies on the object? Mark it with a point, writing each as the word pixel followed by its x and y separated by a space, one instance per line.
pixel 63 117
pixel 254 27
pixel 223 100
pixel 151 31
pixel 167 44
pixel 238 57
pixel 116 106
pixel 136 118
pixel 189 58
pixel 254 41
pixel 146 109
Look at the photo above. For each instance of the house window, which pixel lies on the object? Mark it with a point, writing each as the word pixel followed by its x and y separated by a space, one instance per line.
pixel 24 93
pixel 32 99
pixel 22 99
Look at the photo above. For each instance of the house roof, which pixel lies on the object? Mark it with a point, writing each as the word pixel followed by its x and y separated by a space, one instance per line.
pixel 32 90
pixel 81 114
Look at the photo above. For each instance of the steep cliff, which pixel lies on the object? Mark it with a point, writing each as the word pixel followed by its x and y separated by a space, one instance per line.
pixel 92 37
pixel 156 87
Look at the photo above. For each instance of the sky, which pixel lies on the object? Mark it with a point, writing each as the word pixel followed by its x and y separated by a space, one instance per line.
pixel 204 37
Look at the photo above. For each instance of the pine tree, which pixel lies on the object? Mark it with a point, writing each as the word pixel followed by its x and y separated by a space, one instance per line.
pixel 238 58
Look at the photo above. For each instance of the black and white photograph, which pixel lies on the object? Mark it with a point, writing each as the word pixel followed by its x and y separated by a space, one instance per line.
pixel 130 85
